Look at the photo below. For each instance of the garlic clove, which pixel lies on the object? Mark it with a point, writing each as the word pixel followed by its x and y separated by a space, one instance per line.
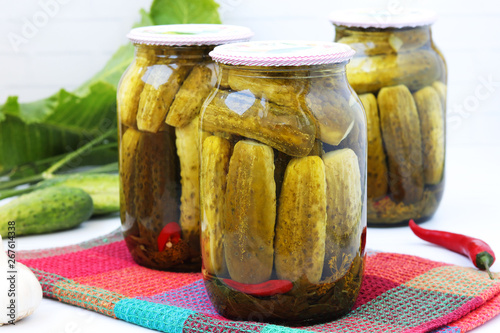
pixel 23 285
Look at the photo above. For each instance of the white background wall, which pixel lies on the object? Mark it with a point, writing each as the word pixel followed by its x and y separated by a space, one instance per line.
pixel 82 34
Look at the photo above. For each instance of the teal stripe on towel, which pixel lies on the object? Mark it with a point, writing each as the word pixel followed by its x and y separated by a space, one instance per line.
pixel 161 317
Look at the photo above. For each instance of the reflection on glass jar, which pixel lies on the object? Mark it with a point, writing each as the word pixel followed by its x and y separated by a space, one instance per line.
pixel 400 77
pixel 283 184
pixel 159 100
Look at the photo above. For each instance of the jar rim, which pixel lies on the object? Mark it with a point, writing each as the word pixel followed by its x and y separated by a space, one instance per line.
pixel 282 53
pixel 383 18
pixel 189 34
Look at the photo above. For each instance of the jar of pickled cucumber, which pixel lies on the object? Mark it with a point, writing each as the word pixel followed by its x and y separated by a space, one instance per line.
pixel 159 100
pixel 400 77
pixel 283 183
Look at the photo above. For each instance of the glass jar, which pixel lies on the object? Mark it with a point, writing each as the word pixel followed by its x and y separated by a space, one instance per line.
pixel 400 76
pixel 159 100
pixel 283 183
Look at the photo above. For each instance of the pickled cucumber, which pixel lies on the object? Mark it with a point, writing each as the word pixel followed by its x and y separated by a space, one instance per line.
pixel 159 91
pixel 131 85
pixel 431 117
pixel 190 97
pixel 128 150
pixel 386 42
pixel 377 166
pixel 344 201
pixel 187 142
pixel 288 130
pixel 414 69
pixel 156 178
pixel 403 142
pixel 301 225
pixel 215 163
pixel 278 90
pixel 250 213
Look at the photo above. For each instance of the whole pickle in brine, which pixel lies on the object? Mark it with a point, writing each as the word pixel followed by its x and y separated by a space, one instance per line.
pixel 403 142
pixel 187 140
pixel 128 152
pixel 377 181
pixel 216 153
pixel 156 177
pixel 250 213
pixel 344 201
pixel 387 42
pixel 191 95
pixel 301 225
pixel 162 84
pixel 286 129
pixel 414 69
pixel 431 116
pixel 278 90
pixel 132 84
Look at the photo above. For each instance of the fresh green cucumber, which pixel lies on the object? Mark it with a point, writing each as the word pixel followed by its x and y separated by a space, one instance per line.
pixel 46 210
pixel 102 187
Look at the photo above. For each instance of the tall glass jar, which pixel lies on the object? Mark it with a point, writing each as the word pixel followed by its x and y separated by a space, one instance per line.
pixel 400 76
pixel 159 100
pixel 283 183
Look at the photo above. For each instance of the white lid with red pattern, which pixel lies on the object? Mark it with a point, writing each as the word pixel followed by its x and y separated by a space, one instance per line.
pixel 383 18
pixel 282 53
pixel 189 34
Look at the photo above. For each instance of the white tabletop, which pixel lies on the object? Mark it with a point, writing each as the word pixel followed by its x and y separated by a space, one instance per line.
pixel 469 206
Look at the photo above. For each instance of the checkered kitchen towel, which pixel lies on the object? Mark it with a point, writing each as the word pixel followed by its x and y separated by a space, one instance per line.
pixel 400 293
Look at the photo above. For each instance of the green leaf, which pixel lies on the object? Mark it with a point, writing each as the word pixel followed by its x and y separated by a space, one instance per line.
pixel 55 125
pixel 184 11
pixel 100 155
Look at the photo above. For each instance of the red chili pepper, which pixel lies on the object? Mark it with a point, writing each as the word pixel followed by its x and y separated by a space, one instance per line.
pixel 169 235
pixel 478 251
pixel 363 241
pixel 268 288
